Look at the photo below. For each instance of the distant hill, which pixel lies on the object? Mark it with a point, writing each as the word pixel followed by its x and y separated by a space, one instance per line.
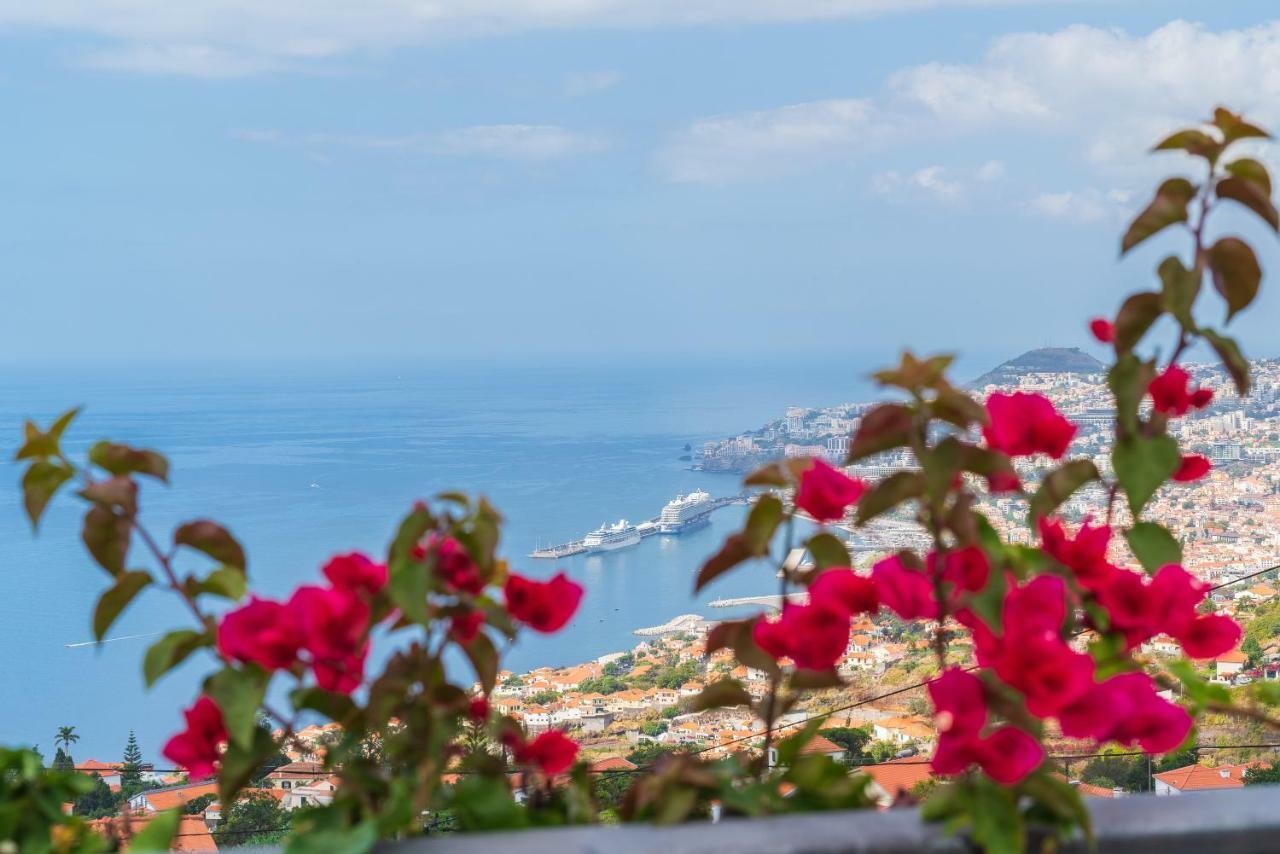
pixel 1046 360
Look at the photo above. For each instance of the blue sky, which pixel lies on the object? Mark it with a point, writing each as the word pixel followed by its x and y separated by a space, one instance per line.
pixel 540 178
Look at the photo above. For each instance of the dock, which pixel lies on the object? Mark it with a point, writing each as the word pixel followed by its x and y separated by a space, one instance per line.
pixel 774 602
pixel 647 528
pixel 682 623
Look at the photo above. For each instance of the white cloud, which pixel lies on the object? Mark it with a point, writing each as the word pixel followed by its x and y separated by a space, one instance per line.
pixel 528 143
pixel 590 82
pixel 728 148
pixel 992 170
pixel 1108 93
pixel 929 181
pixel 228 37
pixel 1084 206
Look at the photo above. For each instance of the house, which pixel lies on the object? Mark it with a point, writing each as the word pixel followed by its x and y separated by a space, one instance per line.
pixel 612 763
pixel 1199 778
pixel 158 800
pixel 536 717
pixel 192 835
pixel 318 793
pixel 1230 663
pixel 1257 593
pixel 816 746
pixel 296 774
pixel 890 780
pixel 903 730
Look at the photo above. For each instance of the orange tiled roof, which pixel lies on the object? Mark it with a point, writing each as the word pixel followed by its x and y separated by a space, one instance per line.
pixel 193 833
pixel 1193 778
pixel 613 763
pixel 176 796
pixel 899 775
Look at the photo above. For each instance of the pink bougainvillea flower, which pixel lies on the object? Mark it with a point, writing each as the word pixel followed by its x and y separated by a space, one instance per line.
pixel 478 709
pixel 1171 392
pixel 1022 424
pixel 544 606
pixel 1192 467
pixel 855 593
pixel 814 636
pixel 261 632
pixel 771 636
pixel 907 592
pixel 960 708
pixel 552 752
pixel 1035 610
pixel 1103 330
pixel 1049 673
pixel 341 674
pixel 825 491
pixel 198 748
pixel 1008 755
pixel 464 627
pixel 954 753
pixel 1096 713
pixel 1002 481
pixel 453 565
pixel 967 568
pixel 331 622
pixel 1085 554
pixel 1152 722
pixel 1209 636
pixel 356 573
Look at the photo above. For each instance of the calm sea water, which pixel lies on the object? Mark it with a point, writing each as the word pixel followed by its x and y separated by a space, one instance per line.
pixel 559 450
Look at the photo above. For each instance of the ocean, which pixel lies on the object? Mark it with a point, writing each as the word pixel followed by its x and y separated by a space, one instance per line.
pixel 558 448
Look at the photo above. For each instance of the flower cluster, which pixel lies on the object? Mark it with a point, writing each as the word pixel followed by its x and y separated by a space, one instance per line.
pixel 552 752
pixel 198 747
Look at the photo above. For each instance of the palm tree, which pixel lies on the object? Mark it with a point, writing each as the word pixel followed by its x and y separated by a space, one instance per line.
pixel 66 737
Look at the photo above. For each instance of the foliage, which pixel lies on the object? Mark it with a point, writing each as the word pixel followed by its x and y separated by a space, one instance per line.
pixel 254 819
pixel 196 806
pixel 441 594
pixel 1262 774
pixel 98 801
pixel 852 739
pixel 602 685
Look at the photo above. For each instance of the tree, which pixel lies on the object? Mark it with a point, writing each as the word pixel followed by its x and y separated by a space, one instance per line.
pixel 256 819
pixel 98 802
pixel 65 738
pixel 543 697
pixel 852 739
pixel 62 761
pixel 196 806
pixel 1269 774
pixel 1253 649
pixel 131 769
pixel 646 754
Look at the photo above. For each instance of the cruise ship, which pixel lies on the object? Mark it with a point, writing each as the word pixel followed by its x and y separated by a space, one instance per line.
pixel 686 512
pixel 608 537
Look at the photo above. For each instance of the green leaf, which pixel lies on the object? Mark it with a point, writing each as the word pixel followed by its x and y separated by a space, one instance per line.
pixel 997 824
pixel 116 599
pixel 1236 274
pixel 1129 378
pixel 1248 169
pixel 1234 127
pixel 719 695
pixel 1061 799
pixel 1232 359
pixel 889 493
pixel 485 803
pixel 1192 141
pixel 1249 194
pixel 915 375
pixel 39 443
pixel 40 482
pixel 1153 545
pixel 1181 287
pixel 1169 206
pixel 114 492
pixel 1197 689
pixel 241 761
pixel 122 459
pixel 1142 465
pixel 762 522
pixel 1135 317
pixel 407 586
pixel 733 551
pixel 412 529
pixel 207 536
pixel 814 680
pixel 884 427
pixel 170 651
pixel 106 536
pixel 336 707
pixel 239 693
pixel 159 833
pixel 828 550
pixel 484 658
pixel 736 635
pixel 344 840
pixel 956 407
pixel 225 581
pixel 1059 485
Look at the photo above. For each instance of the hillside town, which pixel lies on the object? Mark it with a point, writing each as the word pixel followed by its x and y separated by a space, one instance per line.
pixel 629 707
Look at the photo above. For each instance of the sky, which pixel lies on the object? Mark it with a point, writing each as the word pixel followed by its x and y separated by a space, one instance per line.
pixel 518 179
